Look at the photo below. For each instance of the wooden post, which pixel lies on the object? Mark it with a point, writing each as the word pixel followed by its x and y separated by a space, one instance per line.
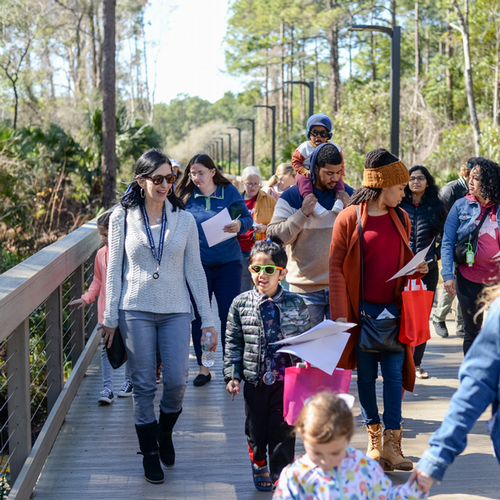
pixel 54 346
pixel 78 328
pixel 18 346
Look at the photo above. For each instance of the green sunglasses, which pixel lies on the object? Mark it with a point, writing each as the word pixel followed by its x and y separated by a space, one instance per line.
pixel 269 270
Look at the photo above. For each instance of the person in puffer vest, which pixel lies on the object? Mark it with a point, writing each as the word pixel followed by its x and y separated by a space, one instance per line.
pixel 258 318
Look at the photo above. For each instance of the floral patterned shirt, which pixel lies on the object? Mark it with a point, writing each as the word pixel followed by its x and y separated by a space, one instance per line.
pixel 359 478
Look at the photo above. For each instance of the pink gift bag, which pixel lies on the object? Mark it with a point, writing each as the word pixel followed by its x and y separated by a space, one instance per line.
pixel 302 383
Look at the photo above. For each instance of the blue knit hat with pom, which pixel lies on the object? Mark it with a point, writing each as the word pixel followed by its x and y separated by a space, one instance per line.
pixel 319 119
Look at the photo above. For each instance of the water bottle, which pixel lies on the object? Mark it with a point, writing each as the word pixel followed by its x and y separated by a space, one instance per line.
pixel 207 356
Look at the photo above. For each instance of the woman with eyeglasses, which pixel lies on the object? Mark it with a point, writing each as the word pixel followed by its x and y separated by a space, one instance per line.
pixel 480 207
pixel 153 257
pixel 206 192
pixel 261 207
pixel 427 216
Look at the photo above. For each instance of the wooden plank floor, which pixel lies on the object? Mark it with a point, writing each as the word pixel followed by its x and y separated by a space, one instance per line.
pixel 95 457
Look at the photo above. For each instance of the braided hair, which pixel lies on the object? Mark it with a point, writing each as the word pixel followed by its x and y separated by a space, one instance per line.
pixel 376 158
pixel 151 160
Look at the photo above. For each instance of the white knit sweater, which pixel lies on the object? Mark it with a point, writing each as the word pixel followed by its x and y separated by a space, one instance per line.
pixel 180 263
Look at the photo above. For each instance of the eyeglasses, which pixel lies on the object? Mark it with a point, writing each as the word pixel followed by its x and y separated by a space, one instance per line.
pixel 158 179
pixel 322 133
pixel 269 270
pixel 198 175
pixel 251 184
pixel 420 178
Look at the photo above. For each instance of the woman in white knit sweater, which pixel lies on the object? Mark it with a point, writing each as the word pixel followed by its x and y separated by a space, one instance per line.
pixel 153 253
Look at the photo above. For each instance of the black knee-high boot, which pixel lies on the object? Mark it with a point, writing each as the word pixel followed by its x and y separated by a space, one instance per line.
pixel 165 428
pixel 148 442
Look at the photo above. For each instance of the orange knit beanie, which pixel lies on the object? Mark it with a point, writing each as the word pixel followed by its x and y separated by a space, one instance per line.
pixel 386 176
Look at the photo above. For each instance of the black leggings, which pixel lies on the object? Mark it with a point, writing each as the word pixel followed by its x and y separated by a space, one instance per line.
pixel 430 280
pixel 467 294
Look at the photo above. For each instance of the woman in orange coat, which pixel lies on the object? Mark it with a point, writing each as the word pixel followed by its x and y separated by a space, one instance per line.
pixel 386 231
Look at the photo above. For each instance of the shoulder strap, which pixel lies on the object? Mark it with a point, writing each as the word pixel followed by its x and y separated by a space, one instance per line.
pixel 361 290
pixel 124 238
pixel 483 218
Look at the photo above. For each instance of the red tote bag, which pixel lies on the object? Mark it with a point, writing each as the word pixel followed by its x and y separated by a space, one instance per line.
pixel 417 305
pixel 302 383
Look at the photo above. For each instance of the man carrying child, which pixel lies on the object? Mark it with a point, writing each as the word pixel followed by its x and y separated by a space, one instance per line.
pixel 308 238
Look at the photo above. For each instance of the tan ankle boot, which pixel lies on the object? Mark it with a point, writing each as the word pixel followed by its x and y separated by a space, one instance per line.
pixel 374 441
pixel 392 457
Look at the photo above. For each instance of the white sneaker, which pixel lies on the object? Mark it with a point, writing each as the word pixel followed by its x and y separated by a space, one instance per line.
pixel 319 211
pixel 338 207
pixel 106 397
pixel 126 390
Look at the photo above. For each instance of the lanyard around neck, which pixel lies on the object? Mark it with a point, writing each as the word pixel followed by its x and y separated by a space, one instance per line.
pixel 157 255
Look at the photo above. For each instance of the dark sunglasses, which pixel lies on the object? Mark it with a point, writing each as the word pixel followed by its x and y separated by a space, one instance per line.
pixel 158 179
pixel 269 270
pixel 322 133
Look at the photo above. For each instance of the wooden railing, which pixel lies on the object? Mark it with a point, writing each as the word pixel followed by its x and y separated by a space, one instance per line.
pixel 45 349
pixel 40 338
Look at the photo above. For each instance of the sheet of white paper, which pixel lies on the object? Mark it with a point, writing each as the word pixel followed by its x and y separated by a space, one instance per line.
pixel 410 267
pixel 323 329
pixel 213 228
pixel 385 314
pixel 324 353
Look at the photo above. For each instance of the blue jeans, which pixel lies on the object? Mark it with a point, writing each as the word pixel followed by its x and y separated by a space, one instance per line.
pixel 224 282
pixel 392 372
pixel 318 304
pixel 142 333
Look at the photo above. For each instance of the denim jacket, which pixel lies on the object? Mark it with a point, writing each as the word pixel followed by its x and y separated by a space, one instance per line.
pixel 460 222
pixel 479 387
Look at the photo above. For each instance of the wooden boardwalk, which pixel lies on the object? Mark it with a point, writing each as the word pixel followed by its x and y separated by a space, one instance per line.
pixel 95 457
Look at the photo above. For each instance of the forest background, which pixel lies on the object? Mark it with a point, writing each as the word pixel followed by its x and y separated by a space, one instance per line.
pixel 51 57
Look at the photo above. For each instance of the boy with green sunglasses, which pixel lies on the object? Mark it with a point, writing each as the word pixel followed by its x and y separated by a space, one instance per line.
pixel 256 320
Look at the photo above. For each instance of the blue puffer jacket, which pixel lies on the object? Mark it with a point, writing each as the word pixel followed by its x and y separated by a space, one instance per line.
pixel 479 387
pixel 460 222
pixel 245 337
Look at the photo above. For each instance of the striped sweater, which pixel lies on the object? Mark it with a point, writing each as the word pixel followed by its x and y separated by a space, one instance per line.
pixel 307 239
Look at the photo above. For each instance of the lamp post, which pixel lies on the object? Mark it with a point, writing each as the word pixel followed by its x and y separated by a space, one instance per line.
pixel 239 147
pixel 217 149
pixel 395 34
pixel 221 139
pixel 310 86
pixel 228 134
pixel 273 154
pixel 252 120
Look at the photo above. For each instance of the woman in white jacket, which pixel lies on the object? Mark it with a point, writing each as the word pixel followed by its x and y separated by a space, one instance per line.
pixel 153 255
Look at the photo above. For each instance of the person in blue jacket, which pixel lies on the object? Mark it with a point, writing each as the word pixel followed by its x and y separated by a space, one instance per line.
pixel 206 192
pixel 479 387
